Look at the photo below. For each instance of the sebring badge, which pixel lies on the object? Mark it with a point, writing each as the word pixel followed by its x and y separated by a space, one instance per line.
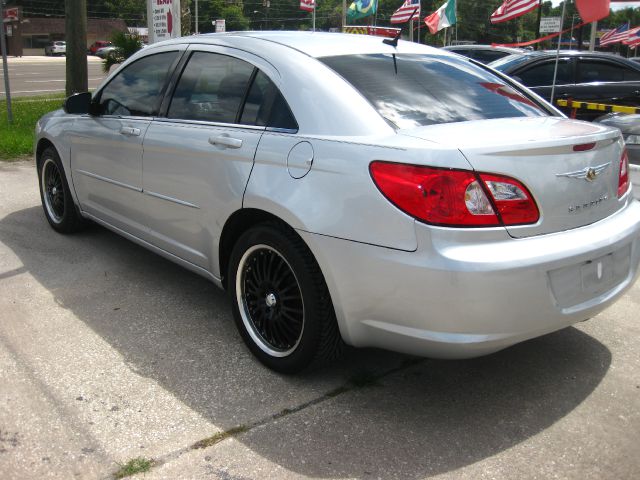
pixel 589 173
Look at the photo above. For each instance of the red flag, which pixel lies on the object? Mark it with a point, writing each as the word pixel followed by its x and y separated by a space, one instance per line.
pixel 592 10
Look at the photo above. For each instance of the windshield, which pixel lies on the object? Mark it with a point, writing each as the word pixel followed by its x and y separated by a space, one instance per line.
pixel 416 90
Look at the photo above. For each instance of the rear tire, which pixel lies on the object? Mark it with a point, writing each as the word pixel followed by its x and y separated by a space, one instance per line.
pixel 57 202
pixel 280 301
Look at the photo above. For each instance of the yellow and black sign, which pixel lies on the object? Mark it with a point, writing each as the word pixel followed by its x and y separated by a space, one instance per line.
pixel 600 107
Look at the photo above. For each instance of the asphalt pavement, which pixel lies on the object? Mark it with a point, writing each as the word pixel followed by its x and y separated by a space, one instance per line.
pixel 109 352
pixel 29 76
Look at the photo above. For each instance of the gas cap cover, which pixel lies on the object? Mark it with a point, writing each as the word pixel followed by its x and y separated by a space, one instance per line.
pixel 300 159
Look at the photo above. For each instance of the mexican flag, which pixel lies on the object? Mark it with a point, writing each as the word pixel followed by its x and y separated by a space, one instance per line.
pixel 444 17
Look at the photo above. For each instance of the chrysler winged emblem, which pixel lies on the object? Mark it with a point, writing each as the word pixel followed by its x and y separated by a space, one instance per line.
pixel 588 173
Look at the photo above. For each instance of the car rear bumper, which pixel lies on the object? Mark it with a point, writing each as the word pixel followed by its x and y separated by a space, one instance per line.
pixel 466 293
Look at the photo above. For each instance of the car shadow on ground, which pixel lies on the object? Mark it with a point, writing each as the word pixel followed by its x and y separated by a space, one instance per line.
pixel 423 419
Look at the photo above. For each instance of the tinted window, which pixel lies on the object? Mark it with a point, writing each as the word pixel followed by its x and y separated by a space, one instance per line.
pixel 464 52
pixel 422 90
pixel 211 88
pixel 136 89
pixel 265 106
pixel 486 56
pixel 603 71
pixel 541 74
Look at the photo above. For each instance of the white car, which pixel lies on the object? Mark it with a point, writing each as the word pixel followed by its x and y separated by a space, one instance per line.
pixel 55 48
pixel 345 189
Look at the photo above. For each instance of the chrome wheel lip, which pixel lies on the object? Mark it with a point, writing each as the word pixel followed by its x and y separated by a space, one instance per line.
pixel 48 167
pixel 251 329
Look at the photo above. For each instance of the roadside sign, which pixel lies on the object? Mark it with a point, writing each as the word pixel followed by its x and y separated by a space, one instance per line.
pixel 163 17
pixel 10 14
pixel 220 26
pixel 550 24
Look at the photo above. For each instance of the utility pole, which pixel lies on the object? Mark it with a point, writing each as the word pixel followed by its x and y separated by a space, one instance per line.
pixel 5 67
pixel 76 35
pixel 536 45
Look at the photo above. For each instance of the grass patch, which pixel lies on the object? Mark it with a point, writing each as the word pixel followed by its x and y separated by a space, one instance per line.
pixel 17 139
pixel 133 466
pixel 218 437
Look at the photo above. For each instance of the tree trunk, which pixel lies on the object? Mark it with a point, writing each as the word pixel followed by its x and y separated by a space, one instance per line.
pixel 76 35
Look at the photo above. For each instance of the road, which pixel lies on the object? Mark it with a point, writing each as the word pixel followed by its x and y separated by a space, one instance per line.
pixel 108 352
pixel 29 76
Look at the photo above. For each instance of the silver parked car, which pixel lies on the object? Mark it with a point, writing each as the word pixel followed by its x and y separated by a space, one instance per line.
pixel 343 189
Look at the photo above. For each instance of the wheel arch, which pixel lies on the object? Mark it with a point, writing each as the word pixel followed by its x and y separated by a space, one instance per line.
pixel 42 145
pixel 238 223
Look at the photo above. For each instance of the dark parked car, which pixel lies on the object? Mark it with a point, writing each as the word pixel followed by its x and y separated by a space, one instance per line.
pixel 584 76
pixel 483 53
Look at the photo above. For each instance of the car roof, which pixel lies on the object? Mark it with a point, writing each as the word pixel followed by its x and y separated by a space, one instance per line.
pixel 314 44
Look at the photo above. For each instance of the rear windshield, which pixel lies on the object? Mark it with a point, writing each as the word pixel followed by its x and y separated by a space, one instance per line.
pixel 418 90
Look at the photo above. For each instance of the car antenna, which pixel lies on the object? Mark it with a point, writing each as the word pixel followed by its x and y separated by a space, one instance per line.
pixel 394 41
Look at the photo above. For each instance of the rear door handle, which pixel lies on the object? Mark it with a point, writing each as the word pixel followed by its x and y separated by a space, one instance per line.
pixel 224 141
pixel 130 131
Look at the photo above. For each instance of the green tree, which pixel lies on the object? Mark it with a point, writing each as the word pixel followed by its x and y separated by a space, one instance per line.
pixel 126 45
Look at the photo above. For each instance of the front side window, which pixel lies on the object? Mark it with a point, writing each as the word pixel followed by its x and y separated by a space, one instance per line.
pixel 135 91
pixel 212 88
pixel 541 74
pixel 414 90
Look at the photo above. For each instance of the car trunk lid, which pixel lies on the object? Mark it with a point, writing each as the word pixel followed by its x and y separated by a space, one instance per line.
pixel 571 168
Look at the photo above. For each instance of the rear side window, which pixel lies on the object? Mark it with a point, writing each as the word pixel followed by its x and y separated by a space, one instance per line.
pixel 417 90
pixel 265 106
pixel 541 74
pixel 135 91
pixel 599 71
pixel 211 88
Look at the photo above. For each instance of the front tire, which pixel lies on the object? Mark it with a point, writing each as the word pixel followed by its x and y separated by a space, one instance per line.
pixel 280 301
pixel 57 202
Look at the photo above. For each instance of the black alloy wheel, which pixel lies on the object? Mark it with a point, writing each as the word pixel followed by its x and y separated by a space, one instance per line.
pixel 280 300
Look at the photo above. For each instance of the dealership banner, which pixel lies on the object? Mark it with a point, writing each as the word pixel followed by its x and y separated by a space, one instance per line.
pixel 163 19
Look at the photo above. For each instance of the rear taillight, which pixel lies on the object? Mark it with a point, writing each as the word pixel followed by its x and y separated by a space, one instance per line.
pixel 455 198
pixel 623 177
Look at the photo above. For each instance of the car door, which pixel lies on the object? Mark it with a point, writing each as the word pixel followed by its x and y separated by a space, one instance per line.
pixel 198 157
pixel 607 81
pixel 106 147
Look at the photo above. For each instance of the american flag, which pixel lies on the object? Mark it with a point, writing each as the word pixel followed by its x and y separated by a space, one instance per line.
pixel 403 14
pixel 511 9
pixel 616 35
pixel 308 5
pixel 633 37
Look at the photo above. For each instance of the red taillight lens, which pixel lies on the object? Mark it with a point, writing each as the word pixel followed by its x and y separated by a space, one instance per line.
pixel 514 202
pixel 623 177
pixel 455 198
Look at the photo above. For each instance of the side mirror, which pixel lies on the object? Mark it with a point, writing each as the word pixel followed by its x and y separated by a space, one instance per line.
pixel 78 103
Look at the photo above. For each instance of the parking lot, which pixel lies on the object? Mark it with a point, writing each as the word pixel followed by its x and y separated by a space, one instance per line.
pixel 108 352
pixel 31 76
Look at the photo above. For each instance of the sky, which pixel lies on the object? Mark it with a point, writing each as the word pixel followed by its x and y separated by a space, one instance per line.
pixel 614 5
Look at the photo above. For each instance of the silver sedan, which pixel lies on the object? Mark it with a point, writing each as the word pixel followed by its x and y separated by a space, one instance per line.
pixel 343 189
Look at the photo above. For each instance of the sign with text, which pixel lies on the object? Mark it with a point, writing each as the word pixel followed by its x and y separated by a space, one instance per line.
pixel 220 26
pixel 163 19
pixel 550 25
